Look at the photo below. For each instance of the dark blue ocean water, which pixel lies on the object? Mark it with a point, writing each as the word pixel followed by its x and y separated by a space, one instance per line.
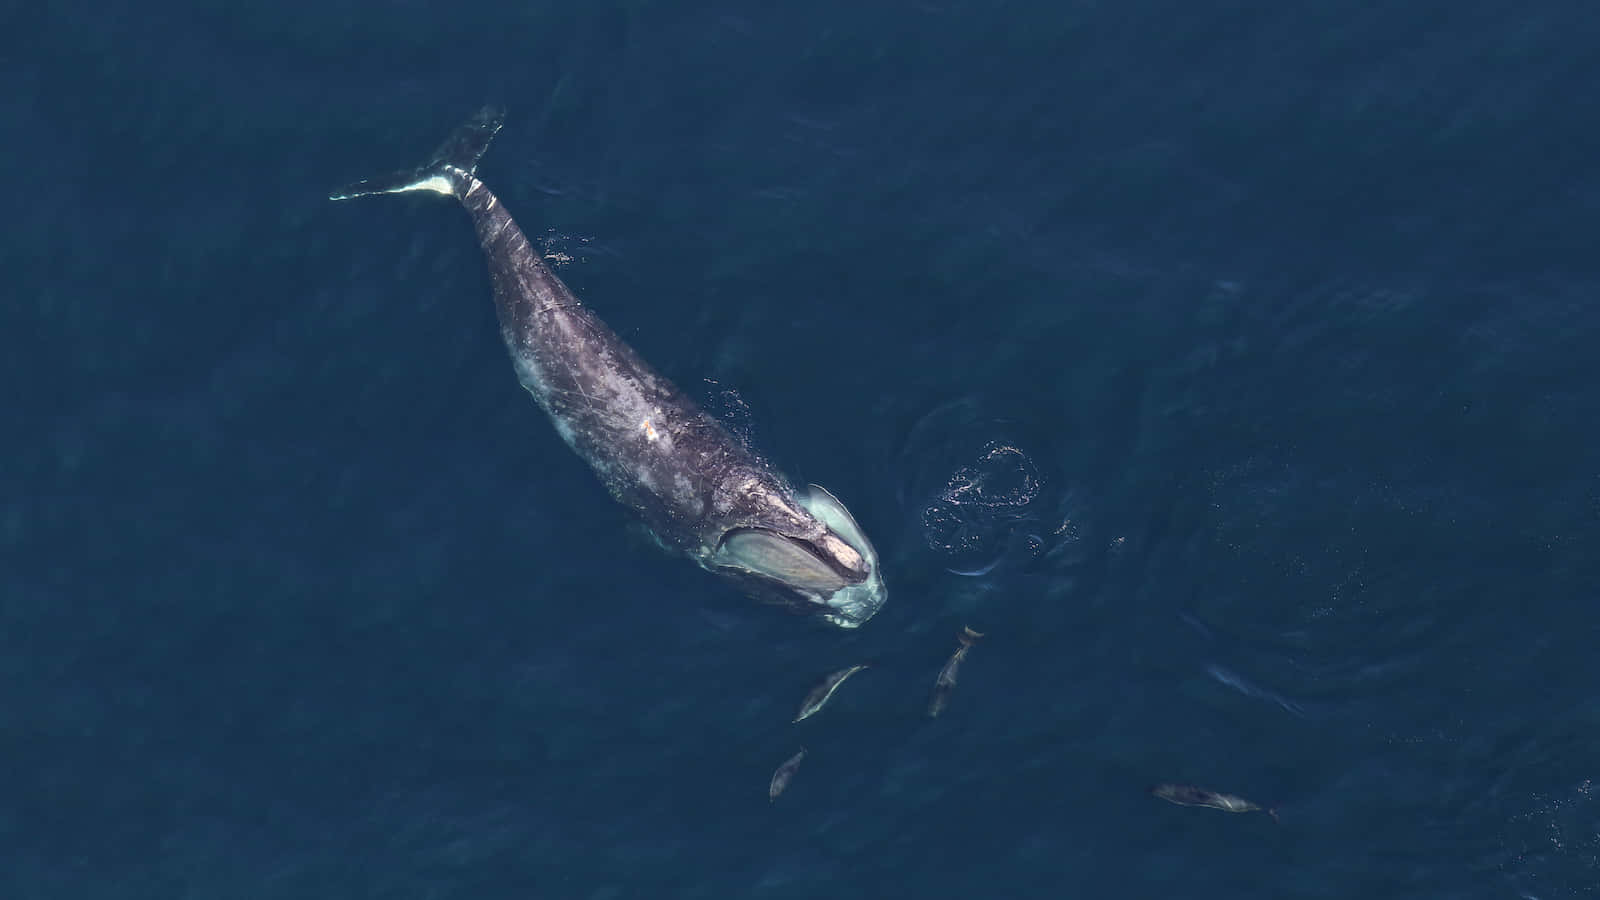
pixel 1265 332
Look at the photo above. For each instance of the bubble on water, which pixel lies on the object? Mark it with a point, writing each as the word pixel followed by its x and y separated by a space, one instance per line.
pixel 560 249
pixel 981 495
pixel 1554 842
pixel 985 515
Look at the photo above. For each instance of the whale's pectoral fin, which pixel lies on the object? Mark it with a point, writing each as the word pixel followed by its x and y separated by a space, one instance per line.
pixel 444 172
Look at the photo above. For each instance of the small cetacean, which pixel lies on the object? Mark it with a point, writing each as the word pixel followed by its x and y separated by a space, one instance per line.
pixel 946 682
pixel 823 692
pixel 1189 795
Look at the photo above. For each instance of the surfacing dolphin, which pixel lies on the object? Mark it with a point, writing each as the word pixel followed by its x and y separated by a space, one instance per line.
pixel 700 490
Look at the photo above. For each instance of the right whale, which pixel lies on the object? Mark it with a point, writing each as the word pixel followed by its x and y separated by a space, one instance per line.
pixel 700 490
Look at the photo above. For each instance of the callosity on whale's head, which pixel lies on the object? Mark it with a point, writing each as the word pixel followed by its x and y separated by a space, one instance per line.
pixel 828 569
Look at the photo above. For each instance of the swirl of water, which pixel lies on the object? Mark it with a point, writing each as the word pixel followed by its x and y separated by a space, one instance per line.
pixel 980 495
pixel 979 519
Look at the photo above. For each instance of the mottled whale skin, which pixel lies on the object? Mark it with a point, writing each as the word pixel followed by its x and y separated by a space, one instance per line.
pixel 700 490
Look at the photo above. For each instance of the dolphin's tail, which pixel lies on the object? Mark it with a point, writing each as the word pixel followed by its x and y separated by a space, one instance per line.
pixel 447 171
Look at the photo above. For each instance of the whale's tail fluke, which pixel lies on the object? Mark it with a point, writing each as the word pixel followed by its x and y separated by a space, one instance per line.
pixel 447 171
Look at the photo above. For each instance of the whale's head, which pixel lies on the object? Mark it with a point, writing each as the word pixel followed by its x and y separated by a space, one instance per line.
pixel 818 562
